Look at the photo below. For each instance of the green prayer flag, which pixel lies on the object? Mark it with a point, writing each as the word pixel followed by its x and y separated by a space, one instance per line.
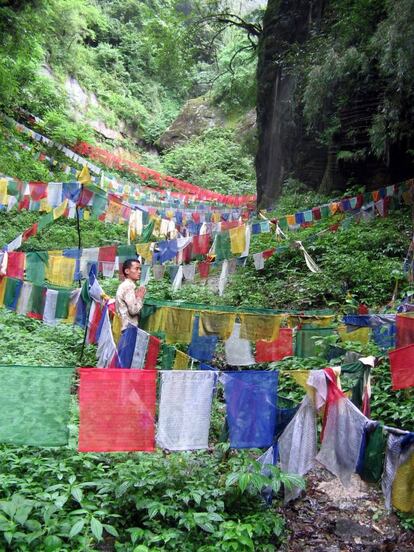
pixel 62 303
pixel 374 455
pixel 168 356
pixel 11 293
pixel 44 221
pixel 283 223
pixel 98 205
pixel 37 301
pixel 36 262
pixel 126 252
pixel 305 344
pixel 35 405
pixel 222 246
pixel 147 232
pixel 325 211
pixel 13 188
pixel 353 375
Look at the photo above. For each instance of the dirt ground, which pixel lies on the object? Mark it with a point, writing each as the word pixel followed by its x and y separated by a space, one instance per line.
pixel 330 518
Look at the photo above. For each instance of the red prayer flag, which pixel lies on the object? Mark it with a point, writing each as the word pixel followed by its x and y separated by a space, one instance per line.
pixel 405 330
pixel 201 244
pixel 270 351
pixel 402 367
pixel 38 190
pixel 152 353
pixel 15 264
pixel 107 254
pixel 93 322
pixel 32 231
pixel 117 410
pixel 204 269
pixel 333 395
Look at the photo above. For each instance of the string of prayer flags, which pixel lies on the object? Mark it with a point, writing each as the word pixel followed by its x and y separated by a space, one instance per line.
pixel 281 347
pixel 35 405
pixel 117 410
pixel 185 409
pixel 251 400
pixel 401 363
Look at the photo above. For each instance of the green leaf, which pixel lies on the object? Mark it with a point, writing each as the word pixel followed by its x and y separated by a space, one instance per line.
pixel 244 481
pixel 51 543
pixel 77 494
pixel 76 528
pixel 96 528
pixel 111 530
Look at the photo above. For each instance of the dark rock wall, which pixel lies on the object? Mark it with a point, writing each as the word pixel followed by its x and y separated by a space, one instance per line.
pixel 285 147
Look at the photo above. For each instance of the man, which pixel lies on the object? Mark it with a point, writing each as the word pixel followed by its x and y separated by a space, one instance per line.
pixel 130 299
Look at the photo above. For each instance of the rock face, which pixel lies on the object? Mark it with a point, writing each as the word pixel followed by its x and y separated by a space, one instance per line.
pixel 196 116
pixel 279 127
pixel 285 146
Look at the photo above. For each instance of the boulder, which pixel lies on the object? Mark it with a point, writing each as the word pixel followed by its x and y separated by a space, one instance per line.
pixel 196 116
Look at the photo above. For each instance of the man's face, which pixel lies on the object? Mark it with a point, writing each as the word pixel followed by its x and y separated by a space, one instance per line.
pixel 134 272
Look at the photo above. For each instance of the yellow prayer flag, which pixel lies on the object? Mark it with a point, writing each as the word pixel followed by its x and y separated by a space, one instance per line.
pixel 178 325
pixel 181 361
pixel 3 191
pixel 362 334
pixel 60 271
pixel 260 326
pixel 3 281
pixel 60 209
pixel 84 177
pixel 217 323
pixel 403 487
pixel 44 206
pixel 216 217
pixel 321 321
pixel 238 239
pixel 333 207
pixel 144 249
pixel 156 321
pixel 300 377
pixel 291 220
pixel 116 327
pixel 86 215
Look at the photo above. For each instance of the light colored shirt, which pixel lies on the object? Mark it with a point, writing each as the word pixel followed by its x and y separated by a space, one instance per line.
pixel 127 304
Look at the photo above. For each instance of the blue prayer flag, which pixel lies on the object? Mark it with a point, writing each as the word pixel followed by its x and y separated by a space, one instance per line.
pixel 251 402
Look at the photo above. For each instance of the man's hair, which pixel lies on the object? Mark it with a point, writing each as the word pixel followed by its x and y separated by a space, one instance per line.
pixel 128 263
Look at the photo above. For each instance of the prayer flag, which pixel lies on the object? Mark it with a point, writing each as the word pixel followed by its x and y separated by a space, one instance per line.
pixel 251 400
pixel 271 351
pixel 152 353
pixel 185 409
pixel 117 410
pixel 402 367
pixel 15 264
pixel 238 351
pixel 202 347
pixel 35 405
pixel 405 329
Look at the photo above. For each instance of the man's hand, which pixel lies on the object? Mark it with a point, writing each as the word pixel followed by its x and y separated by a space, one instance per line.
pixel 140 292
